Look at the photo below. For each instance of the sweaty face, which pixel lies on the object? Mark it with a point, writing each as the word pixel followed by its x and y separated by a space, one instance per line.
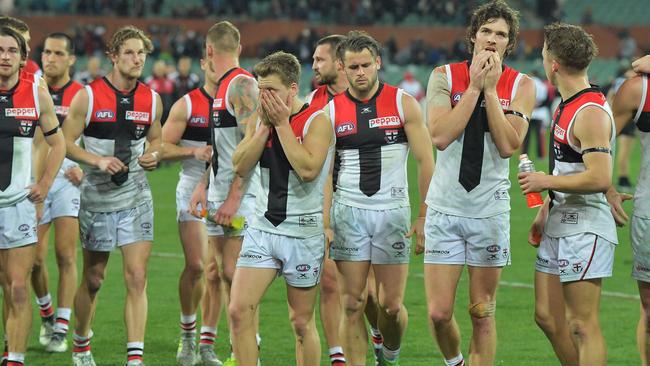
pixel 10 57
pixel 130 58
pixel 324 65
pixel 492 36
pixel 55 57
pixel 361 69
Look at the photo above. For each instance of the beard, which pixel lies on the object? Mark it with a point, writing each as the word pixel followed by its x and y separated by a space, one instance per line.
pixel 327 79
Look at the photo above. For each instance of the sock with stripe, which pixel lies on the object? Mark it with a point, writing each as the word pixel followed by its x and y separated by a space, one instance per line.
pixel 134 351
pixel 377 339
pixel 456 361
pixel 81 344
pixel 45 306
pixel 390 355
pixel 337 358
pixel 208 335
pixel 62 320
pixel 15 359
pixel 188 324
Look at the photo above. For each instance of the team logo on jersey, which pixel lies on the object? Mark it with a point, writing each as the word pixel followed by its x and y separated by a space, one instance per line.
pixel 455 98
pixel 20 112
pixel 61 110
pixel 4 99
pixel 557 150
pixel 391 136
pixel 307 221
pixel 26 127
pixel 559 132
pixel 197 120
pixel 385 122
pixel 346 128
pixel 139 131
pixel 365 110
pixel 217 103
pixel 569 218
pixel 137 116
pixel 501 195
pixel 105 115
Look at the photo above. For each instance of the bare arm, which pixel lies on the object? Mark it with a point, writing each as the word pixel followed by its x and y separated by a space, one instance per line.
pixel 73 127
pixel 626 102
pixel 592 129
pixel 172 132
pixel 244 98
pixel 508 131
pixel 447 124
pixel 420 145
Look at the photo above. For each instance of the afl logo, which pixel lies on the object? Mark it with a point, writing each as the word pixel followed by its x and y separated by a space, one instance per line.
pixel 104 115
pixel 456 97
pixel 346 128
pixel 493 248
pixel 303 267
pixel 197 120
pixel 563 263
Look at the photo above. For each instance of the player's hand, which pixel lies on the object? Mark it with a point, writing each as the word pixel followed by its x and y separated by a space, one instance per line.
pixel 532 182
pixel 535 233
pixel 276 109
pixel 203 153
pixel 478 69
pixel 642 65
pixel 417 228
pixel 226 212
pixel 148 161
pixel 615 201
pixel 494 72
pixel 198 199
pixel 37 192
pixel 111 165
pixel 74 175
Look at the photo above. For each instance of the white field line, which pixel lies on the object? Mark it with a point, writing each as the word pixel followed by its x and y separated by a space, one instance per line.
pixel 620 295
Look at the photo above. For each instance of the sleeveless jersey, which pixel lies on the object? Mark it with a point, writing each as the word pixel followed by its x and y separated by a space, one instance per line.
pixel 371 150
pixel 642 120
pixel 285 204
pixel 227 132
pixel 490 197
pixel 62 98
pixel 196 134
pixel 116 125
pixel 319 97
pixel 573 213
pixel 19 116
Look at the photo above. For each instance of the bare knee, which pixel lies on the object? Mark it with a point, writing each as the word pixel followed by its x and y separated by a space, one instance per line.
pixel 545 321
pixel 301 325
pixel 440 316
pixel 353 304
pixel 195 269
pixel 228 273
pixel 579 328
pixel 136 280
pixel 19 293
pixel 391 307
pixel 240 315
pixel 65 260
pixel 482 313
pixel 94 281
pixel 328 286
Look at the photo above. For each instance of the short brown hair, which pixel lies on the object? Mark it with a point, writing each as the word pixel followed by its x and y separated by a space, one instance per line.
pixel 357 41
pixel 125 33
pixel 15 34
pixel 489 12
pixel 14 23
pixel 333 40
pixel 282 64
pixel 573 47
pixel 224 36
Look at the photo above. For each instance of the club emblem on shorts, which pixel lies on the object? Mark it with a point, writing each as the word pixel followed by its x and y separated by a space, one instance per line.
pixel 26 127
pixel 569 218
pixel 303 267
pixel 577 267
pixel 493 248
pixel 563 263
pixel 139 131
pixel 146 227
pixel 493 257
pixel 399 245
pixel 391 136
pixel 23 227
pixel 505 252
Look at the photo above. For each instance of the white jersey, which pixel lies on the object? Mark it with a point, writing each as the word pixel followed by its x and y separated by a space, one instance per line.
pixel 471 179
pixel 642 120
pixel 116 125
pixel 197 134
pixel 285 204
pixel 371 150
pixel 19 116
pixel 227 132
pixel 575 213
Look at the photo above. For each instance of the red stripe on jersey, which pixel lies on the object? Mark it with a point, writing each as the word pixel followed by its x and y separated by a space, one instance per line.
pixel 105 101
pixel 566 111
pixel 321 96
pixel 201 108
pixel 460 82
pixel 224 84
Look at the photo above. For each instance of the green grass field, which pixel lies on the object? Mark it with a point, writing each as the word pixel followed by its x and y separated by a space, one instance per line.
pixel 520 341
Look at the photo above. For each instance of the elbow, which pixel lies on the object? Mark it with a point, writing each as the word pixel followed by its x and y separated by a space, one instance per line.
pixel 440 143
pixel 603 184
pixel 307 175
pixel 505 152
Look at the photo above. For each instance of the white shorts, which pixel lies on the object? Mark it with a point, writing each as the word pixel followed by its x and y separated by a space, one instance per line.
pixel 299 260
pixel 577 257
pixel 246 209
pixel 62 201
pixel 18 225
pixel 103 231
pixel 378 236
pixel 183 197
pixel 640 238
pixel 461 240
